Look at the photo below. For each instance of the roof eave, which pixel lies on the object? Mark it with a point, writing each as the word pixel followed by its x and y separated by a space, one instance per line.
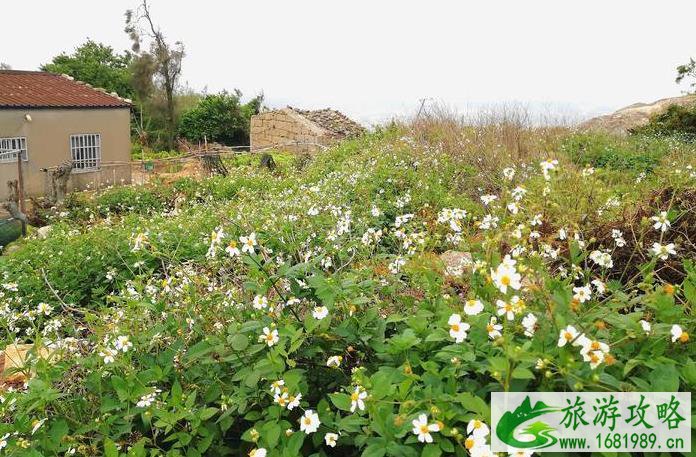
pixel 64 107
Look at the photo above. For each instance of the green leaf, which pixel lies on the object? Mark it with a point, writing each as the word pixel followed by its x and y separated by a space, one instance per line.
pixel 403 342
pixel 294 444
pixel 121 387
pixel 688 371
pixel 198 350
pixel 382 382
pixel 138 450
pixel 431 450
pixel 665 378
pixel 522 373
pixel 665 309
pixel 110 449
pixel 271 433
pixel 176 393
pixel 374 450
pixel 447 446
pixel 341 401
pixel 239 342
pixel 630 365
pixel 207 413
pixel 58 430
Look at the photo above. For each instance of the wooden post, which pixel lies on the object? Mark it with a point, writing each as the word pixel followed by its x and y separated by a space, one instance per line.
pixel 20 190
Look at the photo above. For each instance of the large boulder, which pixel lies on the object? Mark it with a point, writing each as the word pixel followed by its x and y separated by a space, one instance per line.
pixel 637 115
pixel 43 232
pixel 13 361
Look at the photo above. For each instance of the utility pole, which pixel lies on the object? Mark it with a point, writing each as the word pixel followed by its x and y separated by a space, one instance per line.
pixel 20 190
pixel 422 105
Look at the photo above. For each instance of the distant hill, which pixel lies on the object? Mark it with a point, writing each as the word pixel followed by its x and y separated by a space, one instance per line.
pixel 632 116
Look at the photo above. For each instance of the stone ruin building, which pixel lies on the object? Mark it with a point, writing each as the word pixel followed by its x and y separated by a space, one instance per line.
pixel 297 130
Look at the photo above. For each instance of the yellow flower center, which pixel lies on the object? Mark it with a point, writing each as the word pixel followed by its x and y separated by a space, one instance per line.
pixel 354 396
pixel 595 345
pixel 684 337
pixel 489 328
pixel 455 327
pixel 269 337
pixel 424 429
pixel 469 443
pixel 477 424
pixel 505 280
pixel 568 336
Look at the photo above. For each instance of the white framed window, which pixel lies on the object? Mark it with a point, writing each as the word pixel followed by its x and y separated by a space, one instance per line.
pixel 10 147
pixel 85 151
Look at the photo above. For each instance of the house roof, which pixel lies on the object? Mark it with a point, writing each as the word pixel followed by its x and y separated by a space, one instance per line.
pixel 331 120
pixel 38 89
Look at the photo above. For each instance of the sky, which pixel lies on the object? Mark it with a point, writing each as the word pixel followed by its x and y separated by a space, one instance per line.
pixel 377 59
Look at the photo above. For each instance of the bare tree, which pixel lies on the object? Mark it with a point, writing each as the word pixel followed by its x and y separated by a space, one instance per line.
pixel 162 60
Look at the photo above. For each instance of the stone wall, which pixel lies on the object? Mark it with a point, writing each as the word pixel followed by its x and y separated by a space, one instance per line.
pixel 286 130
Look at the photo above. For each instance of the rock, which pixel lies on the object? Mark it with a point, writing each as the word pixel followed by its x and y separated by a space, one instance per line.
pixel 456 262
pixel 12 247
pixel 43 232
pixel 636 115
pixel 267 162
pixel 15 357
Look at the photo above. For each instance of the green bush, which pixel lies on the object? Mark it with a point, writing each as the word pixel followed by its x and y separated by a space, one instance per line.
pixel 676 120
pixel 221 118
pixel 638 154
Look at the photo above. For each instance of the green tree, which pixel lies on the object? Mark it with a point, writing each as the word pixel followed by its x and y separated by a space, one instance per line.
pixel 98 65
pixel 688 70
pixel 221 118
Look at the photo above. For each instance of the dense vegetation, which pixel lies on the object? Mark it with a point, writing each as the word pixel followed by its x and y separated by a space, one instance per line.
pixel 221 118
pixel 149 75
pixel 676 120
pixel 308 311
pixel 98 65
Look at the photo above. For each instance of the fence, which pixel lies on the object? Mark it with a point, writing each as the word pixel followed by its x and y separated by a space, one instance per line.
pixel 194 164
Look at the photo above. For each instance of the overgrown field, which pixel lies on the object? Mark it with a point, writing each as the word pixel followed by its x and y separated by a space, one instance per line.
pixel 308 311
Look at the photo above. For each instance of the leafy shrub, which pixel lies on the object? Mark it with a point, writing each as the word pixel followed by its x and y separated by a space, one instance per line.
pixel 676 120
pixel 636 154
pixel 221 118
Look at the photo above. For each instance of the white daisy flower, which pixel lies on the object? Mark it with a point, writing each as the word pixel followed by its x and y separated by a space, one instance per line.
pixel 422 429
pixel 458 328
pixel 309 423
pixel 270 337
pixel 679 334
pixel 472 307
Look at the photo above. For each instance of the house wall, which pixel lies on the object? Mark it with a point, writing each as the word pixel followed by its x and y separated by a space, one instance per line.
pixel 48 145
pixel 283 130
